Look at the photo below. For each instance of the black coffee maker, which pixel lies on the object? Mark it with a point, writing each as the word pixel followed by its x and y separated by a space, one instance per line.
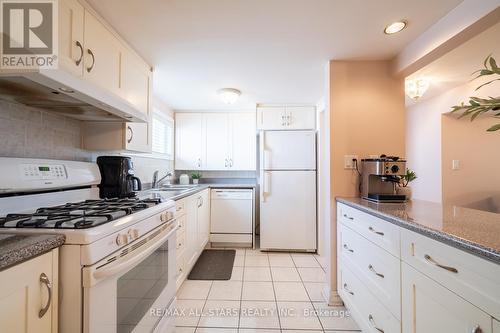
pixel 117 177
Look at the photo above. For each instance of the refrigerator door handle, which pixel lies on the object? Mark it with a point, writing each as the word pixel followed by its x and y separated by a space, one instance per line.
pixel 264 188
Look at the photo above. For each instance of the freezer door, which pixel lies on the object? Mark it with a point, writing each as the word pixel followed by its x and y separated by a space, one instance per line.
pixel 288 150
pixel 288 210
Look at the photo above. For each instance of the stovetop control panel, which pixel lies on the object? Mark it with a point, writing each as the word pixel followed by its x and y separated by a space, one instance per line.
pixel 43 172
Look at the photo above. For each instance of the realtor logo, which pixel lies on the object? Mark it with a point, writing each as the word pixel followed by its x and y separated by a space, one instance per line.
pixel 29 34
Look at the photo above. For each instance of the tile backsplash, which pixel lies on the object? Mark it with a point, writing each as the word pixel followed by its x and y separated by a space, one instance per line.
pixel 30 132
pixel 33 133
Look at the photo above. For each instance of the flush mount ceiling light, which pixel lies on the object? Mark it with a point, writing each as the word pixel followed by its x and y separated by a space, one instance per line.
pixel 416 88
pixel 395 27
pixel 229 95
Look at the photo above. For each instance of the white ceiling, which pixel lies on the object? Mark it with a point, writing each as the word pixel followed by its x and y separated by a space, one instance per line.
pixel 274 51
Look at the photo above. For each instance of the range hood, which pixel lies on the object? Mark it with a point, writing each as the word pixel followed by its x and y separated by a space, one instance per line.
pixel 60 92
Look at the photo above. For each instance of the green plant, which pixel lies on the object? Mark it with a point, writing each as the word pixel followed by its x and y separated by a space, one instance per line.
pixel 407 178
pixel 196 175
pixel 478 106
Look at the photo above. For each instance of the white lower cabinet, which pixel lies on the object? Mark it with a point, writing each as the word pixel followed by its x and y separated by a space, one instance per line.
pixel 193 233
pixel 430 307
pixel 389 275
pixel 28 295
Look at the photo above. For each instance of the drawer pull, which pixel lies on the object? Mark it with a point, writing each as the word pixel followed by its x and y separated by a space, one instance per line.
pixel 347 289
pixel 477 329
pixel 179 208
pixel 376 232
pixel 370 267
pixel 434 262
pixel 348 249
pixel 348 217
pixel 372 321
pixel 44 279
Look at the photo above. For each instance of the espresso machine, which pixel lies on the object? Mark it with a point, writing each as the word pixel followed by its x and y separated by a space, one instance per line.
pixel 380 178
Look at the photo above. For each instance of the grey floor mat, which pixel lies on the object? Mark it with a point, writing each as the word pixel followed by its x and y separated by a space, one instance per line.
pixel 213 265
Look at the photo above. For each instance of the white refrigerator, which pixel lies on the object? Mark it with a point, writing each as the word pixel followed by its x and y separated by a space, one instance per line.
pixel 288 190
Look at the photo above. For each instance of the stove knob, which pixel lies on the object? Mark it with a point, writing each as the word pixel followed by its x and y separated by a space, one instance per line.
pixel 133 233
pixel 167 216
pixel 121 239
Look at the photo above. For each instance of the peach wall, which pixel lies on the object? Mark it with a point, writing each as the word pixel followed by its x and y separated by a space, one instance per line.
pixel 477 180
pixel 367 117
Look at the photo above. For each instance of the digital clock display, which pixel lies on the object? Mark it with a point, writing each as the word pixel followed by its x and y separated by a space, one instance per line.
pixel 43 168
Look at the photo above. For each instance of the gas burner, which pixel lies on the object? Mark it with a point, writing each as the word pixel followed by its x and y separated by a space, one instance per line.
pixel 78 215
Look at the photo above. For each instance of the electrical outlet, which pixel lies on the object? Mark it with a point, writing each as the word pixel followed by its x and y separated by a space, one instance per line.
pixel 349 163
pixel 455 165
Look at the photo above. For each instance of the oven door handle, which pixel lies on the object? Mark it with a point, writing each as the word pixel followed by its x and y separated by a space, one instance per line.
pixel 129 261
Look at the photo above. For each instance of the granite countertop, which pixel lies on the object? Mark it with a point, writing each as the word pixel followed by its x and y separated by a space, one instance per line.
pixel 474 231
pixel 16 248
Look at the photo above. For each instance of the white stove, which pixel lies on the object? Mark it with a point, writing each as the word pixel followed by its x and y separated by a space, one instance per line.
pixel 112 246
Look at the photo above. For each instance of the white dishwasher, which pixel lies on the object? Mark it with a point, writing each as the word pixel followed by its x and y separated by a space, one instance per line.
pixel 231 216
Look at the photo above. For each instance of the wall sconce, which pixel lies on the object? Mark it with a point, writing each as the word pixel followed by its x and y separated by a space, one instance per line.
pixel 416 88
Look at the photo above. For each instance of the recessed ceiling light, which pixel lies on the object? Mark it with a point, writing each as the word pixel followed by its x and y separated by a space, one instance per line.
pixel 395 27
pixel 229 95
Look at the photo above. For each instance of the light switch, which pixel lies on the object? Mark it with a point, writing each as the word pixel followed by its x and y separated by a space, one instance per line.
pixel 455 165
pixel 349 161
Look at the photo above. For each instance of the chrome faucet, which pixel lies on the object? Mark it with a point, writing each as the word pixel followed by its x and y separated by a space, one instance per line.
pixel 156 182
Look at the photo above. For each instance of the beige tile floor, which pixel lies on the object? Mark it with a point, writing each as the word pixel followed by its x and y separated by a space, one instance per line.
pixel 267 293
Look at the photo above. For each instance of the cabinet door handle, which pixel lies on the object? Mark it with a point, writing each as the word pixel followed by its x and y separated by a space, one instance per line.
pixel 434 262
pixel 282 120
pixel 89 51
pixel 288 120
pixel 129 129
pixel 347 289
pixel 372 321
pixel 231 162
pixel 81 53
pixel 370 267
pixel 200 202
pixel 375 231
pixel 348 249
pixel 225 163
pixel 348 217
pixel 198 162
pixel 44 279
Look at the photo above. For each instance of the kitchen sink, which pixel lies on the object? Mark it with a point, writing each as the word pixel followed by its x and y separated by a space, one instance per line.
pixel 177 187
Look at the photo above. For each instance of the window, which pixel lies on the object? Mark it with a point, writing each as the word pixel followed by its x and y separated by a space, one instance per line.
pixel 163 135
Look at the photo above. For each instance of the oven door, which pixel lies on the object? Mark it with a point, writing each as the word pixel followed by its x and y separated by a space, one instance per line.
pixel 132 289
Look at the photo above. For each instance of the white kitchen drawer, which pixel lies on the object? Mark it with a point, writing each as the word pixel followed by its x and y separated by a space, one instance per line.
pixel 366 310
pixel 181 223
pixel 180 242
pixel 181 273
pixel 180 208
pixel 379 270
pixel 383 233
pixel 473 278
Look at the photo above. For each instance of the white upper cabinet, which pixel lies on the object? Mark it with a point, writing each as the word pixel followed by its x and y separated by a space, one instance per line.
pixel 243 142
pixel 189 142
pixel 215 141
pixel 71 49
pixel 135 81
pixel 102 55
pixel 286 117
pixel 301 117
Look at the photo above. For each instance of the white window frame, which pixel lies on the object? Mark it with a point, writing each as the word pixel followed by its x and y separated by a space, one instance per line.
pixel 168 121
